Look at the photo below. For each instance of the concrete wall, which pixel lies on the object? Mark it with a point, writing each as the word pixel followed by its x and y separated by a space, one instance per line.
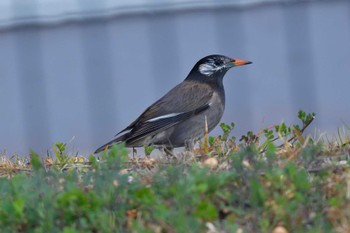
pixel 87 79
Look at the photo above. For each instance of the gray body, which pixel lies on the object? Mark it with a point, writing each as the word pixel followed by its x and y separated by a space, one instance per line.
pixel 180 116
pixel 194 127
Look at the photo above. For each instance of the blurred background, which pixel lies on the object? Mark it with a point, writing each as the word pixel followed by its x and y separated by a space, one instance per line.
pixel 80 71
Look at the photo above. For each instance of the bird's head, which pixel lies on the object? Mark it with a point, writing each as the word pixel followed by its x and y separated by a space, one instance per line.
pixel 214 66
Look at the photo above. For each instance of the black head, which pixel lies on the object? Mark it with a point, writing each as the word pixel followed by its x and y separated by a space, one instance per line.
pixel 214 67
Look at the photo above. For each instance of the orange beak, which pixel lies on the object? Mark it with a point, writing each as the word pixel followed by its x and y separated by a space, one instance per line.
pixel 238 62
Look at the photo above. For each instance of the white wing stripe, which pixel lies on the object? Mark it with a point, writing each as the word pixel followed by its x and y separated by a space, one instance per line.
pixel 164 117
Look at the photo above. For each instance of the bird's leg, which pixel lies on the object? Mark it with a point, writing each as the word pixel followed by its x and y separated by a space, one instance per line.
pixel 165 150
pixel 189 145
pixel 169 151
pixel 133 152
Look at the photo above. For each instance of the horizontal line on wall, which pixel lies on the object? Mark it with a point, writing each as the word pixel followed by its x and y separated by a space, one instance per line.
pixel 47 12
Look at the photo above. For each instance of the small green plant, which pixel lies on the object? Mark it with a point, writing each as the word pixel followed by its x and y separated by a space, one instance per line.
pixel 227 129
pixel 306 119
pixel 148 149
pixel 249 138
pixel 60 152
pixel 223 144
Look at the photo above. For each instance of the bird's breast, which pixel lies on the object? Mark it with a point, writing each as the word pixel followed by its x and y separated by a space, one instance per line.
pixel 215 111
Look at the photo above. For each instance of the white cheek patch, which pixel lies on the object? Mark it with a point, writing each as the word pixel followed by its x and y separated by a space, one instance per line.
pixel 209 68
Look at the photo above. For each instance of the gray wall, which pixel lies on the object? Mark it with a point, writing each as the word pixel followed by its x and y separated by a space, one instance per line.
pixel 83 81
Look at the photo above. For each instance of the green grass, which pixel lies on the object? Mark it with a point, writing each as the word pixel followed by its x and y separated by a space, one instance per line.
pixel 276 178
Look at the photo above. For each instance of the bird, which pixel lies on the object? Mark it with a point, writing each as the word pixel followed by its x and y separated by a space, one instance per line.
pixel 182 114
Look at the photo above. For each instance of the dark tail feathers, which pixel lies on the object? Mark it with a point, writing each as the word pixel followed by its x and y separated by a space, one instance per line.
pixel 109 144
